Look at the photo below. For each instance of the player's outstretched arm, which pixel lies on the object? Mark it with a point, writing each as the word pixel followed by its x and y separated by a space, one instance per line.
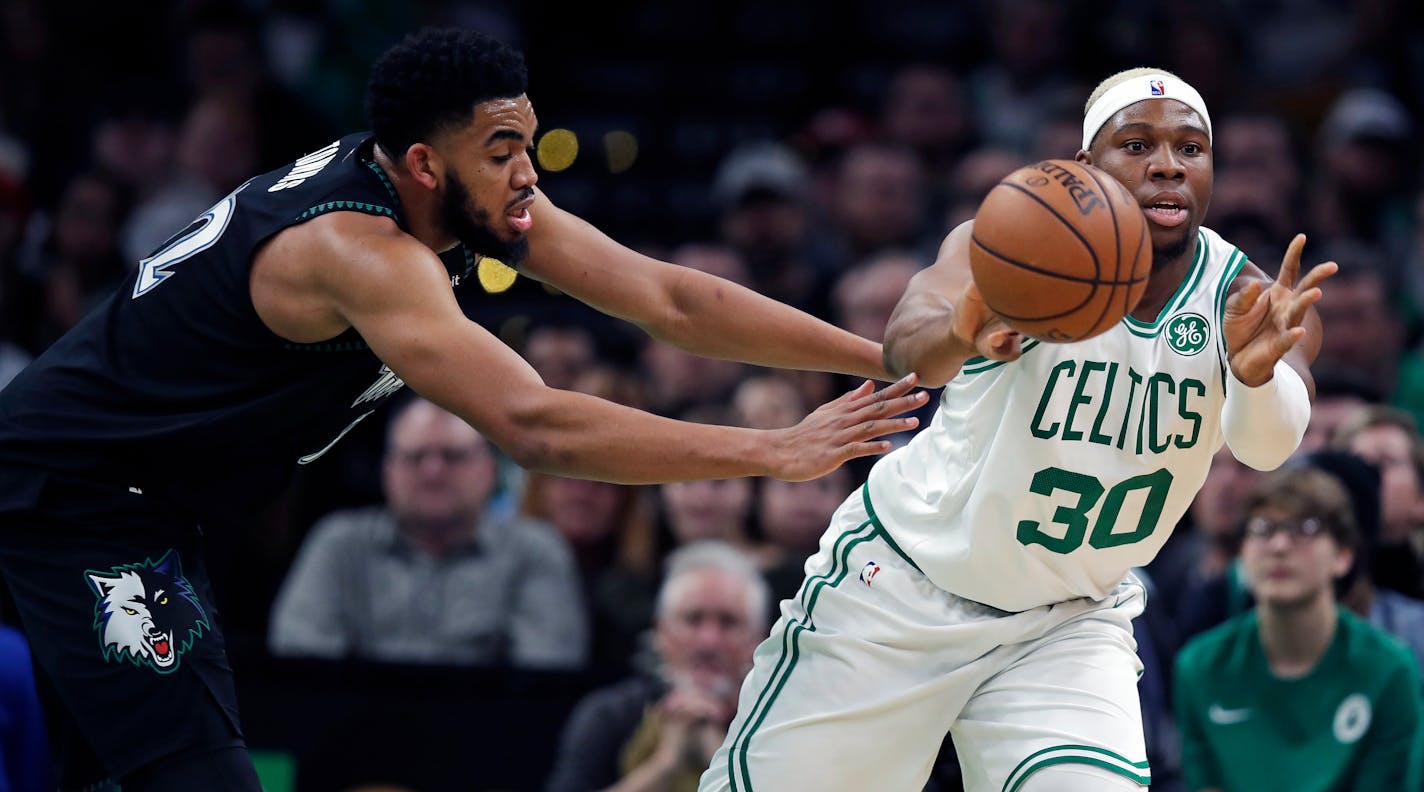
pixel 942 321
pixel 395 292
pixel 700 313
pixel 1270 320
pixel 1272 336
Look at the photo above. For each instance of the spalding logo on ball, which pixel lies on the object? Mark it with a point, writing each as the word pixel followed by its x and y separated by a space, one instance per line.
pixel 1060 251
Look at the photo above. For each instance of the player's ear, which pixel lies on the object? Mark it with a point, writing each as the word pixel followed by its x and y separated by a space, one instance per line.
pixel 421 160
pixel 1084 157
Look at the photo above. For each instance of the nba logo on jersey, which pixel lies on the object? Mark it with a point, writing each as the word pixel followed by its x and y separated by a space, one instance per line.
pixel 1158 89
pixel 868 572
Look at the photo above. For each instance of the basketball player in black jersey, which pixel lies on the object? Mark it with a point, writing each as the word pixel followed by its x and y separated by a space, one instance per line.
pixel 256 337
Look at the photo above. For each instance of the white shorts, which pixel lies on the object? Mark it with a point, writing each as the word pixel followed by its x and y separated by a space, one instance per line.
pixel 871 664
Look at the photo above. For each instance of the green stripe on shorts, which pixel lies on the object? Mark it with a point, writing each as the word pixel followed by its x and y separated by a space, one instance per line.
pixel 1138 772
pixel 810 590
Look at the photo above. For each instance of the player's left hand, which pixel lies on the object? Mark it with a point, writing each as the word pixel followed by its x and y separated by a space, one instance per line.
pixel 1263 320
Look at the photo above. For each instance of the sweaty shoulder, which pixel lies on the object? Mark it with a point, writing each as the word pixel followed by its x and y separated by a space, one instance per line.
pixel 298 274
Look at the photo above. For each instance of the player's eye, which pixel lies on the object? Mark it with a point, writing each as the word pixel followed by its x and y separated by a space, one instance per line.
pixel 130 611
pixel 1191 148
pixel 1135 146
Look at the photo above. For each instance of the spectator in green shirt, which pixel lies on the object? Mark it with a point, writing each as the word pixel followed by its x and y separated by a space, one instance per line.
pixel 1298 694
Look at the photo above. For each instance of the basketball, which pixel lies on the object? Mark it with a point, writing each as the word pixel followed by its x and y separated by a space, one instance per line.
pixel 1060 251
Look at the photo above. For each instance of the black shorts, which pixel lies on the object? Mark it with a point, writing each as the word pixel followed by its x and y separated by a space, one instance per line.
pixel 114 597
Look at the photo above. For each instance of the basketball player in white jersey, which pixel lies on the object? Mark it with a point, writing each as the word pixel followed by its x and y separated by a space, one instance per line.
pixel 980 582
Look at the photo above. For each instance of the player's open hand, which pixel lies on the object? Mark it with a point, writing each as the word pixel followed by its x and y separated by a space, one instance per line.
pixel 844 429
pixel 1263 319
pixel 978 327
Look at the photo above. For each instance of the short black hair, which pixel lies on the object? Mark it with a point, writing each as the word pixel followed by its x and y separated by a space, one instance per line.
pixel 433 79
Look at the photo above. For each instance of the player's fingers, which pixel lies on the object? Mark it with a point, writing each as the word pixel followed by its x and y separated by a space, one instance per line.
pixel 1300 305
pixel 860 391
pixel 894 390
pixel 1290 265
pixel 998 342
pixel 1317 274
pixel 1285 341
pixel 869 430
pixel 1244 300
pixel 890 407
pixel 871 448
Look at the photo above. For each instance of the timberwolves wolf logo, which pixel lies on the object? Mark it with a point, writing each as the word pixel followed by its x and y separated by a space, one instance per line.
pixel 147 613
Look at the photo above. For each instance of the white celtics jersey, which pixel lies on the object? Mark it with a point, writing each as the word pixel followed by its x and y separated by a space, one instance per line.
pixel 1048 478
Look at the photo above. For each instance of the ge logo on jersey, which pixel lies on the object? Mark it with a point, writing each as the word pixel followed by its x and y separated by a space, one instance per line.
pixel 1188 333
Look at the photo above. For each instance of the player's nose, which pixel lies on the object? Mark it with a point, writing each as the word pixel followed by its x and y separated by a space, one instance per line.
pixel 525 176
pixel 1166 164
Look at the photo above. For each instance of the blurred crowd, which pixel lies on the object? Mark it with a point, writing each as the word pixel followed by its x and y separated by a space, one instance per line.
pixel 817 156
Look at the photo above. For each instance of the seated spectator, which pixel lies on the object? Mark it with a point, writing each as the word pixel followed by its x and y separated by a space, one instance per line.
pixel 792 516
pixel 1298 693
pixel 610 529
pixel 658 731
pixel 1389 439
pixel 707 509
pixel 762 191
pixel 1196 569
pixel 1337 396
pixel 430 577
pixel 767 401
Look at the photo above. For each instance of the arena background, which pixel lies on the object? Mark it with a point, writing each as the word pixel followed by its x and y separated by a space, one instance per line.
pixel 657 95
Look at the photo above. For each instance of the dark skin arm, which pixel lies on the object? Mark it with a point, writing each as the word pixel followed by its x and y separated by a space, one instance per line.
pixel 942 321
pixel 700 313
pixel 345 269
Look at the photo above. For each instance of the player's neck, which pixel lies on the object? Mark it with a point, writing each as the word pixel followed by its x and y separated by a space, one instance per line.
pixel 1167 277
pixel 1295 636
pixel 418 205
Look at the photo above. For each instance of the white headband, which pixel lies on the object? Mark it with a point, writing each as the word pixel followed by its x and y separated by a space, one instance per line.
pixel 1146 86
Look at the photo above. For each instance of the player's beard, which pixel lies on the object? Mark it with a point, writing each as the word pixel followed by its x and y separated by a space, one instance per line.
pixel 471 225
pixel 1166 254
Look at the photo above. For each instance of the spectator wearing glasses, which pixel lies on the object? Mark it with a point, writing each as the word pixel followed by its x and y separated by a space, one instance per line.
pixel 431 577
pixel 1298 693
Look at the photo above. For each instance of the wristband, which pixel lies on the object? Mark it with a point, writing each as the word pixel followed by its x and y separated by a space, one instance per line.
pixel 1264 425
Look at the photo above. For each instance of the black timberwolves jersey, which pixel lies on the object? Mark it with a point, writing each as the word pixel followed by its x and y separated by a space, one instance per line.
pixel 174 385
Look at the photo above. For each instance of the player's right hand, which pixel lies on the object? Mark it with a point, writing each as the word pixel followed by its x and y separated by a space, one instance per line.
pixel 844 429
pixel 979 328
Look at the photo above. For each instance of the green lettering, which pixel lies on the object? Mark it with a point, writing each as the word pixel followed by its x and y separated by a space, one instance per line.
pixel 1142 415
pixel 1127 414
pixel 1194 417
pixel 1044 434
pixel 1089 366
pixel 1097 436
pixel 1152 443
